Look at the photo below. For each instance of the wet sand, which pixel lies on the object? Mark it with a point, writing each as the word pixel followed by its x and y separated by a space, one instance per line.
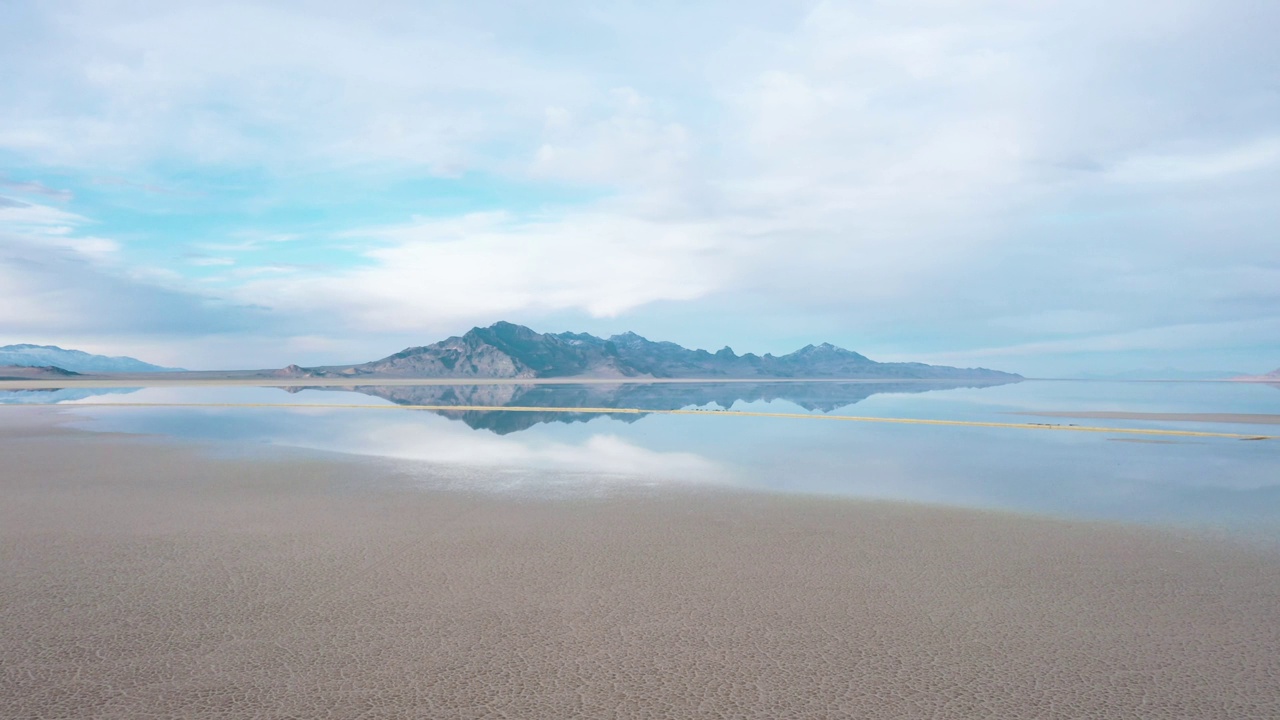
pixel 1242 418
pixel 148 579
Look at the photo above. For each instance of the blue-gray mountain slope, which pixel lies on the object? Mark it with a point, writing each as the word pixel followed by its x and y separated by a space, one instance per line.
pixel 506 350
pixel 73 360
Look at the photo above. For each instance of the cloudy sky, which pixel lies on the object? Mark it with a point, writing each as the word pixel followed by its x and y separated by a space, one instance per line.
pixel 1047 187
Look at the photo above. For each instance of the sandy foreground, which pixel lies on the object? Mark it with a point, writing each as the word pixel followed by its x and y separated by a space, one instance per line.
pixel 146 579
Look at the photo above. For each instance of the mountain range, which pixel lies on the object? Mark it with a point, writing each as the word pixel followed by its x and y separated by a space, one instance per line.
pixel 506 350
pixel 77 361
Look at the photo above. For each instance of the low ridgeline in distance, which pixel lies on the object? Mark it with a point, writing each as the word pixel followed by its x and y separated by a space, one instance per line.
pixel 506 350
pixel 54 360
pixel 1271 377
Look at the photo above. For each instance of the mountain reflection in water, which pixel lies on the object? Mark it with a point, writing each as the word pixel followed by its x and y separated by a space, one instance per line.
pixel 824 397
pixel 52 396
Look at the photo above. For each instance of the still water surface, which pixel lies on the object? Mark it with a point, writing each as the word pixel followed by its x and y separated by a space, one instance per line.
pixel 1224 483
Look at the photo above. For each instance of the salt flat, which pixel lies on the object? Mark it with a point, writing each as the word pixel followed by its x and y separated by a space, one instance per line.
pixel 142 578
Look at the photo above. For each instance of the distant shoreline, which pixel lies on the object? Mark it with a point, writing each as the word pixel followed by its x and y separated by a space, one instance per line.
pixel 154 381
pixel 216 379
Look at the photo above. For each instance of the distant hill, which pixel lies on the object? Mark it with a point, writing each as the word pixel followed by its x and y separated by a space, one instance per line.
pixel 74 360
pixel 23 372
pixel 1273 376
pixel 506 350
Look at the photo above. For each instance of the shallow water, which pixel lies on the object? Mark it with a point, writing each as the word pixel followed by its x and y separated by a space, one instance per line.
pixel 1225 483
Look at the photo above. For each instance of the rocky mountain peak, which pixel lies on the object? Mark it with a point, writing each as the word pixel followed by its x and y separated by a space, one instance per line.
pixel 507 350
pixel 629 338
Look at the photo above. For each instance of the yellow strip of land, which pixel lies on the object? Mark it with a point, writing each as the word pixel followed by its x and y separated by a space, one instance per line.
pixel 718 413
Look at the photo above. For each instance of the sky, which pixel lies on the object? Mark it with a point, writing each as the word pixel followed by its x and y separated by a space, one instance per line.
pixel 1049 188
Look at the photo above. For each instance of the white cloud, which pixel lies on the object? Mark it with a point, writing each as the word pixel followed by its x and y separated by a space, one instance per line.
pixel 28 187
pixel 53 284
pixel 279 84
pixel 1171 340
pixel 210 261
pixel 959 170
pixel 53 228
pixel 17 216
pixel 1187 167
pixel 487 265
pixel 632 145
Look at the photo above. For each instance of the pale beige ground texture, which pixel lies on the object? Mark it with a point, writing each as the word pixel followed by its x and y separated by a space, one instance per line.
pixel 142 580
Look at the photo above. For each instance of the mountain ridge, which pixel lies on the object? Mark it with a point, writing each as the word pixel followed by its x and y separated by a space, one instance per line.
pixel 507 350
pixel 34 372
pixel 76 361
pixel 1273 376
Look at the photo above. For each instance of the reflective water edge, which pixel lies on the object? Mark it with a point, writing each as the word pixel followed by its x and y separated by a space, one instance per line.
pixel 1189 481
